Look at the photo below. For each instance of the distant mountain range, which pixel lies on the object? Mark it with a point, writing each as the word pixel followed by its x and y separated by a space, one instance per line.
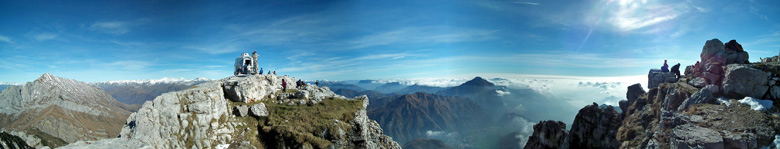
pixel 415 111
pixel 140 91
pixel 59 111
pixel 411 115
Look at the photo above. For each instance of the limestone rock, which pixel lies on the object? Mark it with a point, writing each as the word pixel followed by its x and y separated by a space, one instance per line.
pixel 634 91
pixel 548 134
pixel 594 127
pixel 241 111
pixel 656 77
pixel 201 117
pixel 259 110
pixel 712 48
pixel 692 136
pixel 702 96
pixel 697 82
pixel 742 80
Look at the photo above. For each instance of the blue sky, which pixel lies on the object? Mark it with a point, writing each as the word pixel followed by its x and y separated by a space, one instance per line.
pixel 349 40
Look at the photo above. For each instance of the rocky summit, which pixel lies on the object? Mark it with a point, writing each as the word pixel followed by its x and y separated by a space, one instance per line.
pixel 716 104
pixel 53 111
pixel 250 112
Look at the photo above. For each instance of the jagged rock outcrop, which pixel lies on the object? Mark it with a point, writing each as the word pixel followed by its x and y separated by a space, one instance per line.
pixel 548 135
pixel 202 117
pixel 594 127
pixel 634 91
pixel 656 77
pixel 61 110
pixel 702 96
pixel 11 141
pixel 686 114
pixel 650 125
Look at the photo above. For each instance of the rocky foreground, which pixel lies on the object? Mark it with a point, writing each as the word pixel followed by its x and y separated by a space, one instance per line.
pixel 717 104
pixel 249 112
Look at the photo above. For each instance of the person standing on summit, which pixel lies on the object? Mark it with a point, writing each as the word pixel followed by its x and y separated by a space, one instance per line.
pixel 665 68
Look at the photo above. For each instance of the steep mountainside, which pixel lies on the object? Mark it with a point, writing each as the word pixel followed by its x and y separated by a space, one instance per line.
pixel 684 112
pixel 57 109
pixel 420 88
pixel 140 91
pixel 411 116
pixel 250 112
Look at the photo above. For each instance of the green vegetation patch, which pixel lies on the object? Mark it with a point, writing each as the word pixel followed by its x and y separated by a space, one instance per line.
pixel 302 125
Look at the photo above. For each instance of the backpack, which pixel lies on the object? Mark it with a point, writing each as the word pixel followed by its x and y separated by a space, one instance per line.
pixel 733 45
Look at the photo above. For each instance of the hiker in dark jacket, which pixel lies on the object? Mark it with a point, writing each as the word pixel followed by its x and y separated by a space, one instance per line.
pixel 317 82
pixel 676 70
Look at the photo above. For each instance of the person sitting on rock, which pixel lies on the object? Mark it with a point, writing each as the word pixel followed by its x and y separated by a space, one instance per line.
pixel 665 68
pixel 317 82
pixel 676 70
pixel 261 70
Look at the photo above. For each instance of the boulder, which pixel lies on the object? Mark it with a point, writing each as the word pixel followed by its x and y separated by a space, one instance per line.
pixel 775 92
pixel 742 58
pixel 548 134
pixel 742 80
pixel 656 77
pixel 697 82
pixel 246 89
pixel 711 48
pixel 713 88
pixel 702 96
pixel 241 110
pixel 739 140
pixel 634 91
pixel 259 110
pixel 301 94
pixel 692 136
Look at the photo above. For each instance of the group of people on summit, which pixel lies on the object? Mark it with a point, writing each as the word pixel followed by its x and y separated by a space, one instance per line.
pixel 243 66
pixel 675 69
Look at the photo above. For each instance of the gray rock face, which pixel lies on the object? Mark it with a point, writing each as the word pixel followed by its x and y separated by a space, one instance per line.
pixel 548 134
pixel 697 82
pixel 695 137
pixel 594 127
pixel 202 117
pixel 634 91
pixel 712 48
pixel 700 97
pixel 259 110
pixel 742 80
pixel 67 109
pixel 656 77
pixel 242 110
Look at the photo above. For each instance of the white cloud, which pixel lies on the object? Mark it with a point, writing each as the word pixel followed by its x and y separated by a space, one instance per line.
pixel 527 3
pixel 423 35
pixel 5 39
pixel 502 92
pixel 45 36
pixel 110 27
pixel 634 15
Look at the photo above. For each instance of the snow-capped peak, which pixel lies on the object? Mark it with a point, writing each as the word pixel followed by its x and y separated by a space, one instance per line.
pixel 156 81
